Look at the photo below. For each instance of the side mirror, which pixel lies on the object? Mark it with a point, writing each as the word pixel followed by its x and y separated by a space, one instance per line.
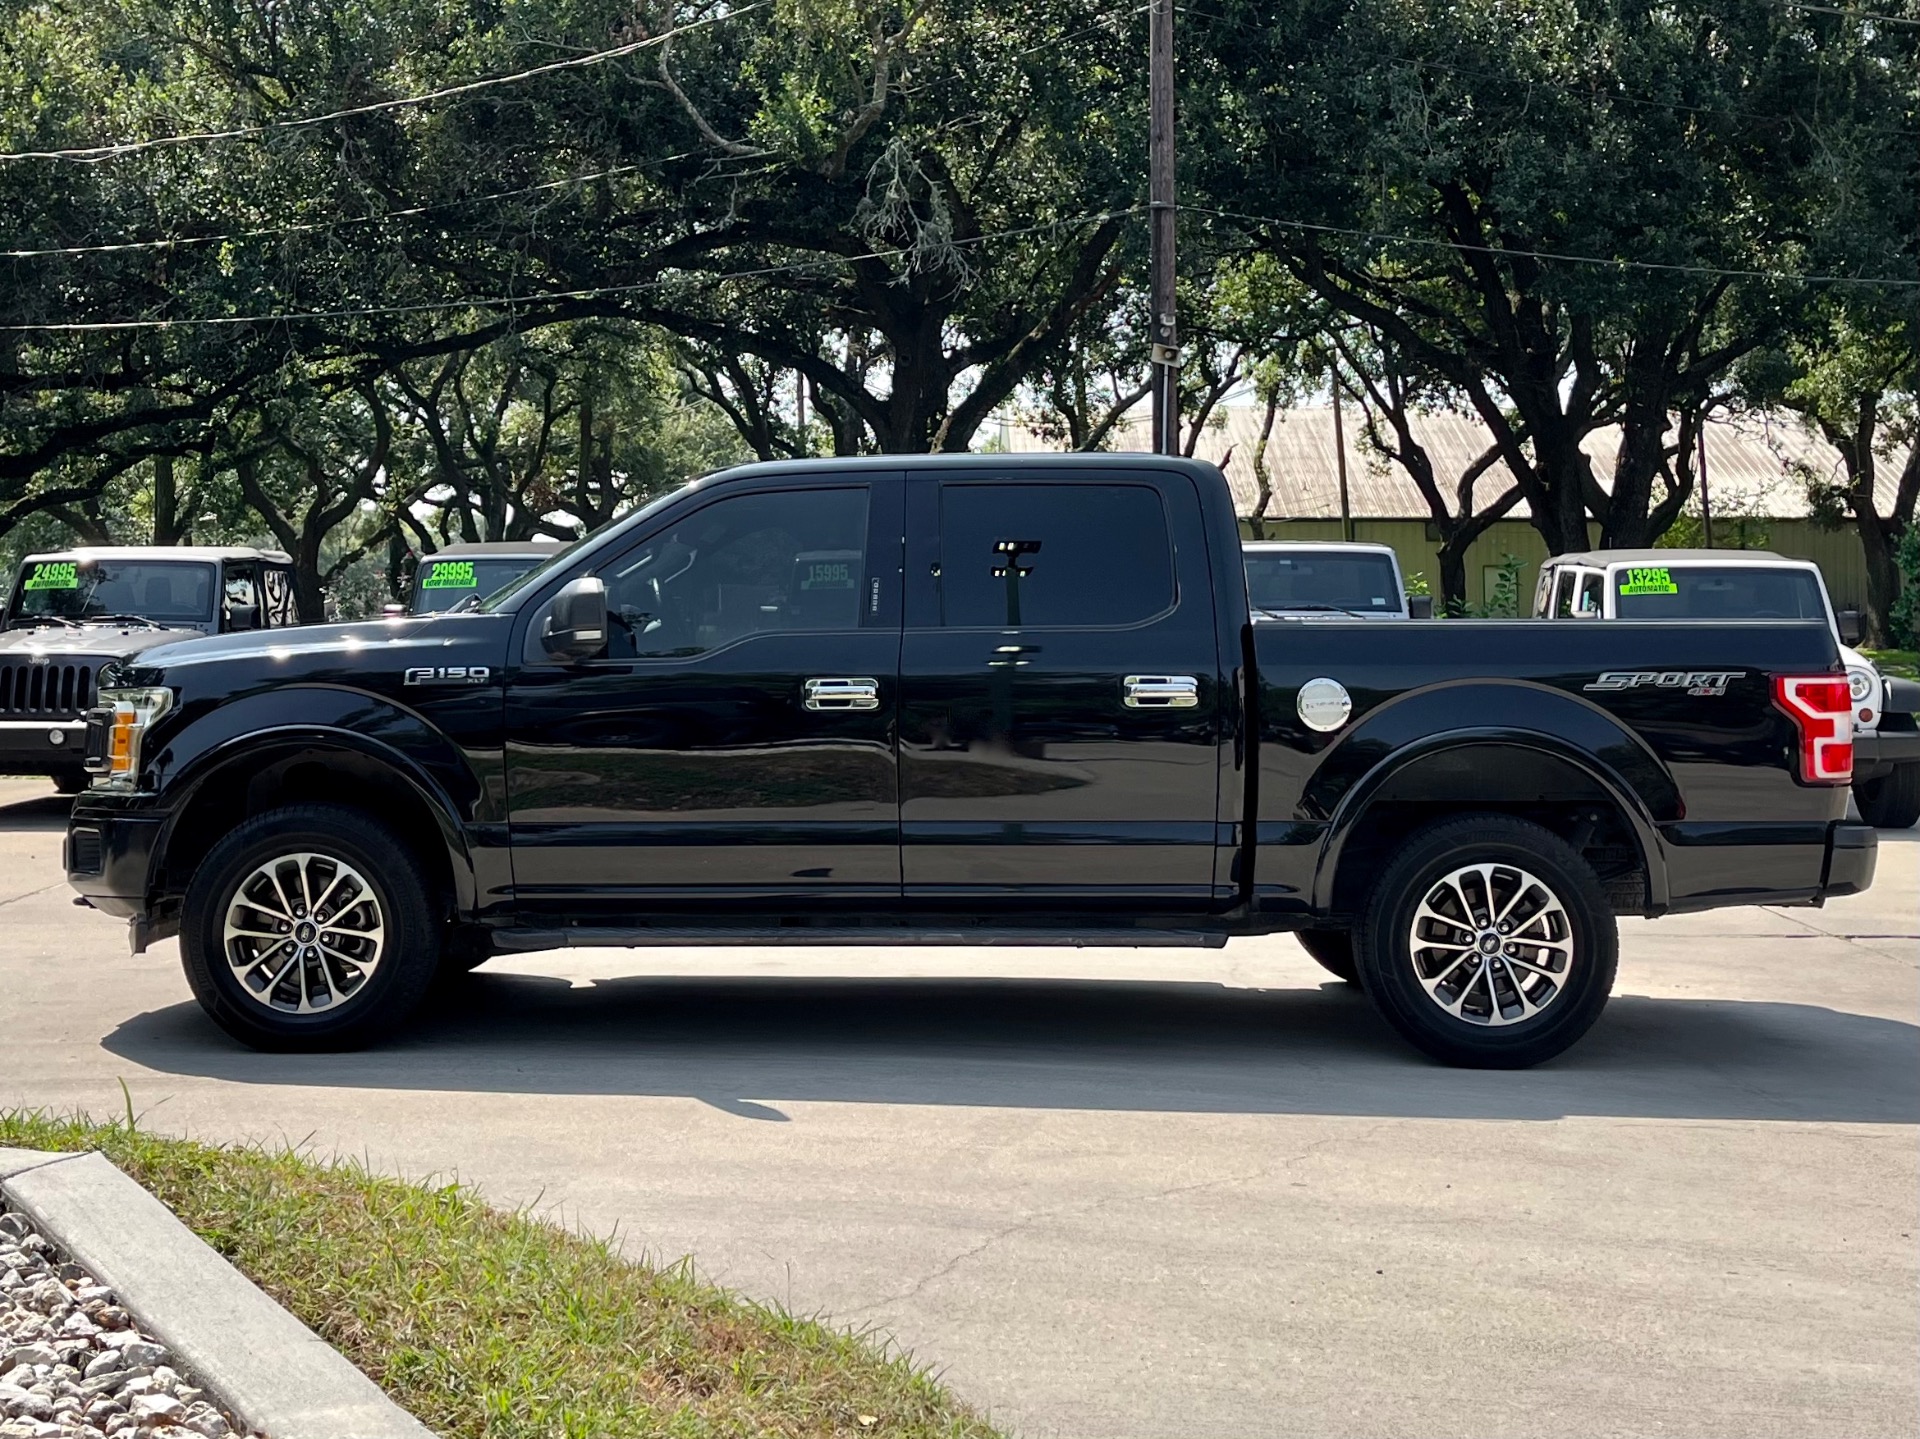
pixel 576 628
pixel 1852 631
pixel 1420 607
pixel 243 617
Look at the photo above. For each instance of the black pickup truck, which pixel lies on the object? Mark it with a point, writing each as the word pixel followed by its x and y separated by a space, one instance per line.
pixel 954 700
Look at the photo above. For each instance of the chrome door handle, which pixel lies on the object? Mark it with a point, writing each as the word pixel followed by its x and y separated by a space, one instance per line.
pixel 1160 692
pixel 854 694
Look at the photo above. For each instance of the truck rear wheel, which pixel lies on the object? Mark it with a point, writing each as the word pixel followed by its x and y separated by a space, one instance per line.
pixel 1488 943
pixel 1332 949
pixel 309 927
pixel 1893 800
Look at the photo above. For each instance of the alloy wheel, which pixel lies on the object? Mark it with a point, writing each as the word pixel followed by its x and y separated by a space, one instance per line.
pixel 304 933
pixel 1491 944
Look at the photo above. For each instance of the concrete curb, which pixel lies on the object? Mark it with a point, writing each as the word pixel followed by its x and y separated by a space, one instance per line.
pixel 271 1372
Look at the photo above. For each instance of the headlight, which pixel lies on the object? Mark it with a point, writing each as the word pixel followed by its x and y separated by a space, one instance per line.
pixel 1859 684
pixel 129 715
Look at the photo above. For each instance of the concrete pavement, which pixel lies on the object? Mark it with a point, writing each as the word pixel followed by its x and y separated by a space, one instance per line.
pixel 1148 1193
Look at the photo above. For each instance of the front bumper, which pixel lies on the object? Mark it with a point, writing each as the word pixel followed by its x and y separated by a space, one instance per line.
pixel 30 746
pixel 1876 752
pixel 109 857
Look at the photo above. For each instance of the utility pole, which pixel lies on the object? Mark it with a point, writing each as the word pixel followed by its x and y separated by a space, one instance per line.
pixel 1165 337
pixel 1340 451
pixel 1706 500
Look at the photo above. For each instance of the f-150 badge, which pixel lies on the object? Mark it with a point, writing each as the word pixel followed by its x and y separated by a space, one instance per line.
pixel 1694 682
pixel 447 675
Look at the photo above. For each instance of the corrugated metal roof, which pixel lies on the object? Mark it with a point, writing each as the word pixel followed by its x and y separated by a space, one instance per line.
pixel 1749 462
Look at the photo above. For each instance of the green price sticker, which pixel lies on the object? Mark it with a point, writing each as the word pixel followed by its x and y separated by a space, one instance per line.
pixel 1648 582
pixel 55 575
pixel 828 577
pixel 450 575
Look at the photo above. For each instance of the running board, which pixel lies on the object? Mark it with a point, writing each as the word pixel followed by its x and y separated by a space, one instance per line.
pixel 588 936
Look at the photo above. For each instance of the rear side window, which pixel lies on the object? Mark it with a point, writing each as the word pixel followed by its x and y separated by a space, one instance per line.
pixel 1077 556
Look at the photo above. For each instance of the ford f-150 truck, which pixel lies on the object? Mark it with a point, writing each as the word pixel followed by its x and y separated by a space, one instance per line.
pixel 954 700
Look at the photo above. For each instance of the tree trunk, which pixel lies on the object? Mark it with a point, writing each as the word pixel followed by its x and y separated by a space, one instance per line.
pixel 166 502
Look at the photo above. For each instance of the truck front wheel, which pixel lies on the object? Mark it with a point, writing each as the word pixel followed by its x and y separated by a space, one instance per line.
pixel 1893 800
pixel 309 927
pixel 1488 943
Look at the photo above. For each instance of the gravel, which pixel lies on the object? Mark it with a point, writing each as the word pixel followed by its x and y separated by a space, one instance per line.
pixel 72 1364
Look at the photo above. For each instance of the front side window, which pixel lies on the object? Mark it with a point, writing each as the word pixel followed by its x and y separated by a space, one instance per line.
pixel 240 599
pixel 1052 555
pixel 1717 592
pixel 166 591
pixel 281 608
pixel 747 565
pixel 1592 602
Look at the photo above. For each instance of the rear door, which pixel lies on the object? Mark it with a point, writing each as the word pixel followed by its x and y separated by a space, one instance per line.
pixel 1061 705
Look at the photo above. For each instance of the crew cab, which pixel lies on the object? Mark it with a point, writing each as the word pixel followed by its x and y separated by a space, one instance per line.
pixel 1311 579
pixel 71 611
pixel 950 700
pixel 460 573
pixel 1747 585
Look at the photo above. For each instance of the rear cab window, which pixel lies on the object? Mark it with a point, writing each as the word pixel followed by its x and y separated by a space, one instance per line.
pixel 1717 592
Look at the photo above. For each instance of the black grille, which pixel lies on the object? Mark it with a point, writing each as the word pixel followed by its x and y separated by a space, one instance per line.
pixel 51 691
pixel 83 851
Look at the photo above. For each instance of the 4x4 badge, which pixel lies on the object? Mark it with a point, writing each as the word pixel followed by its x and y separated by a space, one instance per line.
pixel 1694 682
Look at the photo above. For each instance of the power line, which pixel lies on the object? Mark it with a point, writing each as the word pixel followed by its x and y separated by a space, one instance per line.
pixel 1601 261
pixel 317 226
pixel 542 297
pixel 1849 13
pixel 95 153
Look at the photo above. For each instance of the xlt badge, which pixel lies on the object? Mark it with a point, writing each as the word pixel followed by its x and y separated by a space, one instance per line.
pixel 447 675
pixel 1694 682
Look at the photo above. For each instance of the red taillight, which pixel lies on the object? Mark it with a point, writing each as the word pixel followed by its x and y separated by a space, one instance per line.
pixel 1821 709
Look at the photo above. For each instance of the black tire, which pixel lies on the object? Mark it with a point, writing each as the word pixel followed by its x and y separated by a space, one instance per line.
pixel 1893 800
pixel 70 781
pixel 354 844
pixel 1384 944
pixel 1333 950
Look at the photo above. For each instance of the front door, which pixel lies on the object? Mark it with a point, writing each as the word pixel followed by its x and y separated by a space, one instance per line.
pixel 1061 701
pixel 735 743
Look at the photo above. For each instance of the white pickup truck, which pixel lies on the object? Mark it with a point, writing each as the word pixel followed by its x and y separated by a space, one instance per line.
pixel 1328 579
pixel 1755 585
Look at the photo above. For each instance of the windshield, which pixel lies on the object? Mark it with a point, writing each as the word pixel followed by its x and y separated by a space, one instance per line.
pixel 441 584
pixel 168 591
pixel 1716 592
pixel 1323 579
pixel 534 577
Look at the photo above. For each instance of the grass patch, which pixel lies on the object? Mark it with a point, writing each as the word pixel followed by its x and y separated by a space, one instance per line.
pixel 483 1323
pixel 1904 663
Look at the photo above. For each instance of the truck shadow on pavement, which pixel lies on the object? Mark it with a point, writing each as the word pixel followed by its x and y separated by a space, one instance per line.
pixel 41 814
pixel 746 1046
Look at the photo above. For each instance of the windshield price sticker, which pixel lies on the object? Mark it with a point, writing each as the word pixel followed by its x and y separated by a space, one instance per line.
pixel 828 576
pixel 1648 582
pixel 450 575
pixel 55 575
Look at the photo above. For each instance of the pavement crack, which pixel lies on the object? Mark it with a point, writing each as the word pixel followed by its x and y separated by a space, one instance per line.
pixel 45 889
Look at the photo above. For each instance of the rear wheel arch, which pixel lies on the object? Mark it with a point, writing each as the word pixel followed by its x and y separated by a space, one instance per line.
pixel 1528 777
pixel 249 780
